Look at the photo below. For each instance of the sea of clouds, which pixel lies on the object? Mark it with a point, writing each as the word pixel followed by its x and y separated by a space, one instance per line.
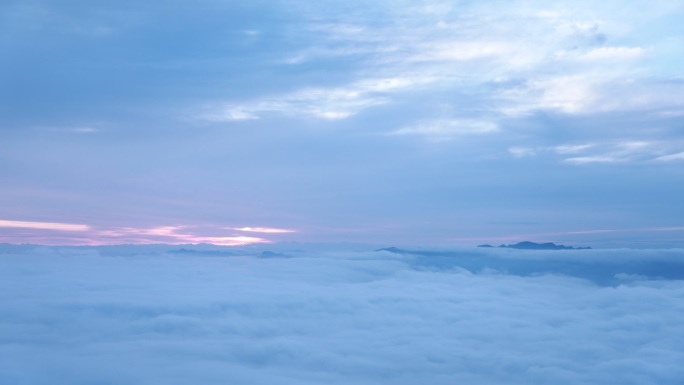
pixel 159 315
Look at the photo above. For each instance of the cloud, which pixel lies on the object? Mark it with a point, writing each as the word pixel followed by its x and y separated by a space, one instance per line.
pixel 329 103
pixel 521 152
pixel 232 114
pixel 621 151
pixel 44 225
pixel 559 56
pixel 670 157
pixel 613 53
pixel 268 230
pixel 568 94
pixel 75 234
pixel 448 128
pixel 571 149
pixel 77 129
pixel 338 317
pixel 593 159
pixel 169 234
pixel 592 93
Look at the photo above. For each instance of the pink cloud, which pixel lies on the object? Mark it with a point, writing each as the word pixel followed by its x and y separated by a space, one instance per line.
pixel 269 230
pixel 172 235
pixel 44 225
pixel 53 233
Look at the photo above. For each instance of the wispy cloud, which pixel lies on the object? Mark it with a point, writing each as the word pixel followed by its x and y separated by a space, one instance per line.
pixel 571 149
pixel 66 233
pixel 613 53
pixel 670 157
pixel 44 225
pixel 593 159
pixel 539 58
pixel 447 129
pixel 622 151
pixel 330 103
pixel 592 92
pixel 522 152
pixel 170 235
pixel 268 230
pixel 81 130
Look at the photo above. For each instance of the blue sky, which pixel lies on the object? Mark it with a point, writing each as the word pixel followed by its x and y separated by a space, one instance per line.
pixel 390 122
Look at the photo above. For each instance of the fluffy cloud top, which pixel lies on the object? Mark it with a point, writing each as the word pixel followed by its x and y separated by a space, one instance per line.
pixel 139 315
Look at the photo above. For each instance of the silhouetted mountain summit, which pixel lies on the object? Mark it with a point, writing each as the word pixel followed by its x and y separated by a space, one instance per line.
pixel 527 245
pixel 393 250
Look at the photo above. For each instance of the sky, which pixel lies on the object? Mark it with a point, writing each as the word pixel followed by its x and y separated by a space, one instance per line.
pixel 388 122
pixel 93 316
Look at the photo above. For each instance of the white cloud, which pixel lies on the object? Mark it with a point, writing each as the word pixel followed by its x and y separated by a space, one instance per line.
pixel 670 157
pixel 616 56
pixel 77 129
pixel 569 94
pixel 338 318
pixel 522 152
pixel 85 130
pixel 559 54
pixel 169 234
pixel 624 151
pixel 620 151
pixel 52 233
pixel 44 225
pixel 325 103
pixel 571 149
pixel 593 159
pixel 613 53
pixel 448 128
pixel 593 93
pixel 230 114
pixel 270 230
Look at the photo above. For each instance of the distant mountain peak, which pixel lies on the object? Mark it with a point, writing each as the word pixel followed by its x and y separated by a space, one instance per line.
pixel 392 250
pixel 527 245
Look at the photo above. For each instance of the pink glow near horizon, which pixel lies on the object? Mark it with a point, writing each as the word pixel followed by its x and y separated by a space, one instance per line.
pixel 53 233
pixel 58 233
pixel 268 230
pixel 44 225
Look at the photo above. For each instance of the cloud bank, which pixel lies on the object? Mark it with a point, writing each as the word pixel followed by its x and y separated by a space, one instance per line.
pixel 139 315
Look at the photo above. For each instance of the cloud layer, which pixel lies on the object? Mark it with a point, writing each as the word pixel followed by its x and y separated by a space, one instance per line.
pixel 89 315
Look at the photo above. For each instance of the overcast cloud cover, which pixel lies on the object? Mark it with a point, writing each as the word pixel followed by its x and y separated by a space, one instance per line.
pixel 429 122
pixel 142 315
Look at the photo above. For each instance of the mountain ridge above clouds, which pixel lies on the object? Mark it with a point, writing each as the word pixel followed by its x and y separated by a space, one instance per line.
pixel 604 267
pixel 528 245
